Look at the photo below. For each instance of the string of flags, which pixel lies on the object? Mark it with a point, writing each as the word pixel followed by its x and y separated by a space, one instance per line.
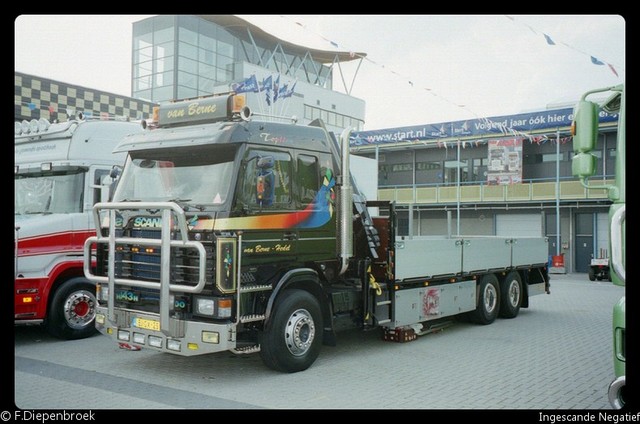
pixel 504 129
pixel 538 140
pixel 594 60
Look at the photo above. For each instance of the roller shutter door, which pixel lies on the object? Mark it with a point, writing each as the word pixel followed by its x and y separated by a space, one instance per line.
pixel 519 225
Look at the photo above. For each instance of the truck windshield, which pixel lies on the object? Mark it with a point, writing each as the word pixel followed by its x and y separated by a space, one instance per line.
pixel 201 177
pixel 52 193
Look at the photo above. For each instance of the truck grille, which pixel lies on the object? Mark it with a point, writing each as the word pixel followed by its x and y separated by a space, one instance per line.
pixel 144 263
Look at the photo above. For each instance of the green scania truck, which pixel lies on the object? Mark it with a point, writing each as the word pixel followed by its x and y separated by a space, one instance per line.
pixel 585 138
pixel 230 234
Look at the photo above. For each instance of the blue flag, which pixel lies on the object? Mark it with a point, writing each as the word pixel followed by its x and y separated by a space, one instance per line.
pixel 267 86
pixel 248 85
pixel 596 61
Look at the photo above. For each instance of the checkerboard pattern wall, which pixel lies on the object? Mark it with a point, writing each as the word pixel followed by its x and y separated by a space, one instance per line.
pixel 37 98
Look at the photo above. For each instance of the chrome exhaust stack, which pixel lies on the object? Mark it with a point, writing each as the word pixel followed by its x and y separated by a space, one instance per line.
pixel 345 198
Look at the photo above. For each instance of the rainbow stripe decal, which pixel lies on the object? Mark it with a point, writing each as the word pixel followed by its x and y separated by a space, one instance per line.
pixel 315 215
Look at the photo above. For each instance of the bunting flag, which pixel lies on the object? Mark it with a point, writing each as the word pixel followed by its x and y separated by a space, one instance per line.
pixel 549 40
pixel 506 130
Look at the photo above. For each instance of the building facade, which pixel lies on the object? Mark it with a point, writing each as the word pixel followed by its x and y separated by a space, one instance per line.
pixel 37 97
pixel 188 56
pixel 506 175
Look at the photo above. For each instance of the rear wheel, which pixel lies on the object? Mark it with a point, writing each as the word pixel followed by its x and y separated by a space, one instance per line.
pixel 592 274
pixel 72 310
pixel 488 304
pixel 511 295
pixel 292 339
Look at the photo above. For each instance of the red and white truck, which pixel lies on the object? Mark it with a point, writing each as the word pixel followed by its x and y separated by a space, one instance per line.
pixel 61 171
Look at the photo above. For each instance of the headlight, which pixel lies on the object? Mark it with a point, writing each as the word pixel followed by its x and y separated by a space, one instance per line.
pixel 102 293
pixel 213 307
pixel 204 307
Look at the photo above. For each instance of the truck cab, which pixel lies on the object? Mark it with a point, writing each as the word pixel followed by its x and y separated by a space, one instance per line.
pixel 585 132
pixel 61 171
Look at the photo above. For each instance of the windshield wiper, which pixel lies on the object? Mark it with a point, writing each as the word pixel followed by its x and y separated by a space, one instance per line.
pixel 185 205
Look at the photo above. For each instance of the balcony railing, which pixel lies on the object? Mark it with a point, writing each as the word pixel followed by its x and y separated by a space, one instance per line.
pixel 481 192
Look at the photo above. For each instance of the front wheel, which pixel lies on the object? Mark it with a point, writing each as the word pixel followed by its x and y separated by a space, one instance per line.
pixel 292 339
pixel 73 310
pixel 488 304
pixel 511 295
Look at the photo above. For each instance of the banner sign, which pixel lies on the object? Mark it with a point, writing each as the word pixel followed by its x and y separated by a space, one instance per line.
pixel 497 126
pixel 201 110
pixel 505 161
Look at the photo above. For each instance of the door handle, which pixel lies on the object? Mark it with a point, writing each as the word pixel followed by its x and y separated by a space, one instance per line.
pixel 290 236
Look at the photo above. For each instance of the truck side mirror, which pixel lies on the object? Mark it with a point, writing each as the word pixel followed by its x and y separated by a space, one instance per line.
pixel 583 165
pixel 585 126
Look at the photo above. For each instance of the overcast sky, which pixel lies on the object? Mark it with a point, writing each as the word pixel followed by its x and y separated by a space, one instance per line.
pixel 419 69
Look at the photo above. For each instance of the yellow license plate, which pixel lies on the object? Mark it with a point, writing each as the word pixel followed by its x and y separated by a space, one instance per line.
pixel 147 324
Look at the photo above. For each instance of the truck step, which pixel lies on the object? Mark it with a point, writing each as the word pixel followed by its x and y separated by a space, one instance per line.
pixel 255 288
pixel 244 350
pixel 383 321
pixel 434 327
pixel 252 318
pixel 383 302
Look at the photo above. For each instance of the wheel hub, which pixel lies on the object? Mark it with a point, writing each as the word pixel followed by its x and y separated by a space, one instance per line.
pixel 79 309
pixel 299 332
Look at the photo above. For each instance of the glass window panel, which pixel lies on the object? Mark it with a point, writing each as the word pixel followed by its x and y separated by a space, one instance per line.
pixel 142 83
pixel 186 92
pixel 308 178
pixel 207 43
pixel 188 50
pixel 164 78
pixel 207 56
pixel 188 80
pixel 142 55
pixel 143 69
pixel 223 75
pixel 164 64
pixel 187 35
pixel 162 94
pixel 143 95
pixel 205 85
pixel 188 65
pixel 225 49
pixel 163 35
pixel 207 71
pixel 164 50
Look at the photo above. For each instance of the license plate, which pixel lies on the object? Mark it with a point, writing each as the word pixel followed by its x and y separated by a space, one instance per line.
pixel 147 324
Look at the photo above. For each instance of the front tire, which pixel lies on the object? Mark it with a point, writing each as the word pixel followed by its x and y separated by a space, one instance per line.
pixel 292 338
pixel 511 295
pixel 72 310
pixel 488 304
